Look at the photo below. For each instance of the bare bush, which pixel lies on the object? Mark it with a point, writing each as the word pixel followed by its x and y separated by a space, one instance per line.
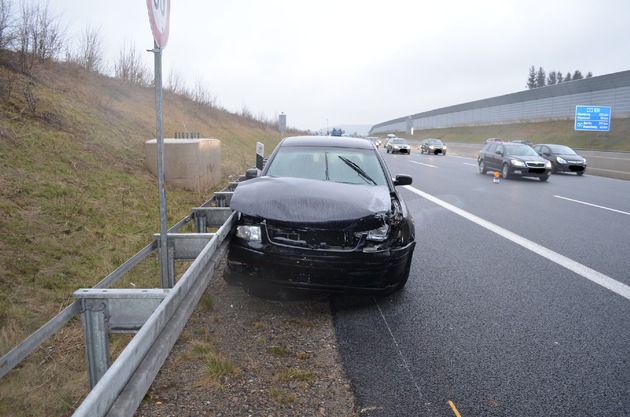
pixel 130 67
pixel 6 24
pixel 200 93
pixel 175 83
pixel 90 51
pixel 39 35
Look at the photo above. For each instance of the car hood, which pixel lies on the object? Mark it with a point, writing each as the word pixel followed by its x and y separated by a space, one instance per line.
pixel 305 201
pixel 571 157
pixel 528 158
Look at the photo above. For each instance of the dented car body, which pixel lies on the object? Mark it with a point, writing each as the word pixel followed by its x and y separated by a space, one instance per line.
pixel 324 216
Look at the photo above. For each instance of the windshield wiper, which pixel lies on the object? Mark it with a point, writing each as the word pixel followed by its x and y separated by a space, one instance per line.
pixel 357 169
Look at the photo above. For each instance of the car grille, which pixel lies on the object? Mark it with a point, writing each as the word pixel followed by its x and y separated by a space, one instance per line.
pixel 536 167
pixel 312 238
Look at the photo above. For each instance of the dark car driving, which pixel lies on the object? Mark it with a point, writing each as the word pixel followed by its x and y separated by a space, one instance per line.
pixel 323 216
pixel 434 146
pixel 562 158
pixel 512 159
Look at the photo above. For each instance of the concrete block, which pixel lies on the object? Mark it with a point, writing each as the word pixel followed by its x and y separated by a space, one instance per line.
pixel 191 164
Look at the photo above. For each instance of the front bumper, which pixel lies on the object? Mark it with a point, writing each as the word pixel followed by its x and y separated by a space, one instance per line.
pixel 401 150
pixel 525 172
pixel 569 167
pixel 354 272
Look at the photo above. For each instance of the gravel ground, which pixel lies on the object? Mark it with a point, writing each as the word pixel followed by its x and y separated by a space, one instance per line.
pixel 241 355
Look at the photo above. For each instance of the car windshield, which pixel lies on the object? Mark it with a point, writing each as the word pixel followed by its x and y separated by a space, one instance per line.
pixel 562 150
pixel 346 165
pixel 519 150
pixel 399 141
pixel 434 142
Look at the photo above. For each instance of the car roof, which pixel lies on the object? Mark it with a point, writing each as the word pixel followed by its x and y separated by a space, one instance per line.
pixel 327 141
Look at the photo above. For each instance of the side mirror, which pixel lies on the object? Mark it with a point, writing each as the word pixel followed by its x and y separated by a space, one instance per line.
pixel 403 180
pixel 251 173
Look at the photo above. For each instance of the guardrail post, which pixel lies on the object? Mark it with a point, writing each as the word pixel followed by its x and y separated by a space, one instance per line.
pixel 95 320
pixel 171 264
pixel 200 221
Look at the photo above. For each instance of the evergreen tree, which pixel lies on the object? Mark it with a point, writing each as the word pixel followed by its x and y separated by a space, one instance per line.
pixel 552 78
pixel 589 74
pixel 568 77
pixel 577 75
pixel 540 78
pixel 560 77
pixel 531 80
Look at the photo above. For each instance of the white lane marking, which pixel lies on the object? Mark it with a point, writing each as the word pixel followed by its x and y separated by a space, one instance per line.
pixel 593 205
pixel 472 165
pixel 420 163
pixel 583 270
pixel 400 353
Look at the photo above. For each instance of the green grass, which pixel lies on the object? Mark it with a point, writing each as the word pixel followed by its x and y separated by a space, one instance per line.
pixel 560 131
pixel 76 201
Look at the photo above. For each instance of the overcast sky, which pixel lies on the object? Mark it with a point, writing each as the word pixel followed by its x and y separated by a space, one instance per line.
pixel 333 62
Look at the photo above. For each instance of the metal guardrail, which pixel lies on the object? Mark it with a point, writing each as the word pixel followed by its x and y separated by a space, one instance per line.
pixel 157 315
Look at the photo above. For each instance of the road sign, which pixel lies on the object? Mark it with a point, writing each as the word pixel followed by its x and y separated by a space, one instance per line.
pixel 282 123
pixel 159 14
pixel 593 118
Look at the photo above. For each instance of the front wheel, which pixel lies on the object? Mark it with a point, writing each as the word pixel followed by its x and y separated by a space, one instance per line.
pixel 505 171
pixel 545 178
pixel 482 167
pixel 580 173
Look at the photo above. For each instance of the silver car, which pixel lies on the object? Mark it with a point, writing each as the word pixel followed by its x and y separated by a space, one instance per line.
pixel 398 145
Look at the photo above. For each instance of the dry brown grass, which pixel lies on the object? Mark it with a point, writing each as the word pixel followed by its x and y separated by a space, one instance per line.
pixel 76 201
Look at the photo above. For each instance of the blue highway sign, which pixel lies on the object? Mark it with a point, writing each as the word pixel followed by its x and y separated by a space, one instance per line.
pixel 594 118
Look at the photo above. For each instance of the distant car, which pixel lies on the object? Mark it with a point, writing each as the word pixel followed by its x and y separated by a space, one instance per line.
pixel 434 146
pixel 398 145
pixel 562 158
pixel 323 216
pixel 494 140
pixel 524 142
pixel 375 140
pixel 511 158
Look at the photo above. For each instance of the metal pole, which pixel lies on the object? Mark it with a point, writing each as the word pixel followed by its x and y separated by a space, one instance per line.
pixel 168 280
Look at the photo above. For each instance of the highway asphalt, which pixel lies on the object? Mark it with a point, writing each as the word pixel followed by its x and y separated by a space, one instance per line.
pixel 518 303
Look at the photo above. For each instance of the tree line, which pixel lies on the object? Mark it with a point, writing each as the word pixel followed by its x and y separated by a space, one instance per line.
pixel 540 78
pixel 37 34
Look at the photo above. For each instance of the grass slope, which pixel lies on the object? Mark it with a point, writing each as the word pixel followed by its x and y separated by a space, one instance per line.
pixel 76 201
pixel 559 131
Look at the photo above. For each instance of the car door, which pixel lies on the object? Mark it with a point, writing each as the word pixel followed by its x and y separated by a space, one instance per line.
pixel 491 157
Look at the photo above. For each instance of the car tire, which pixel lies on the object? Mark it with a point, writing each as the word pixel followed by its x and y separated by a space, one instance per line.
pixel 543 179
pixel 580 173
pixel 505 171
pixel 482 168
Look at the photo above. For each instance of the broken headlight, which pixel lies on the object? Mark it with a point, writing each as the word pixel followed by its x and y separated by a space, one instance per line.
pixel 378 235
pixel 249 233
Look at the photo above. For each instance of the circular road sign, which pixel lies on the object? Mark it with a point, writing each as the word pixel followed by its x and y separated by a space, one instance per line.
pixel 159 11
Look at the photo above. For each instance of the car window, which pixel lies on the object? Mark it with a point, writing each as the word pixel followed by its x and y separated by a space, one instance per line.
pixel 352 166
pixel 519 150
pixel 491 147
pixel 562 150
pixel 398 141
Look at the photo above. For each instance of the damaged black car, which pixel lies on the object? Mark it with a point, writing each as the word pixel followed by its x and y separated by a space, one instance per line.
pixel 324 215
